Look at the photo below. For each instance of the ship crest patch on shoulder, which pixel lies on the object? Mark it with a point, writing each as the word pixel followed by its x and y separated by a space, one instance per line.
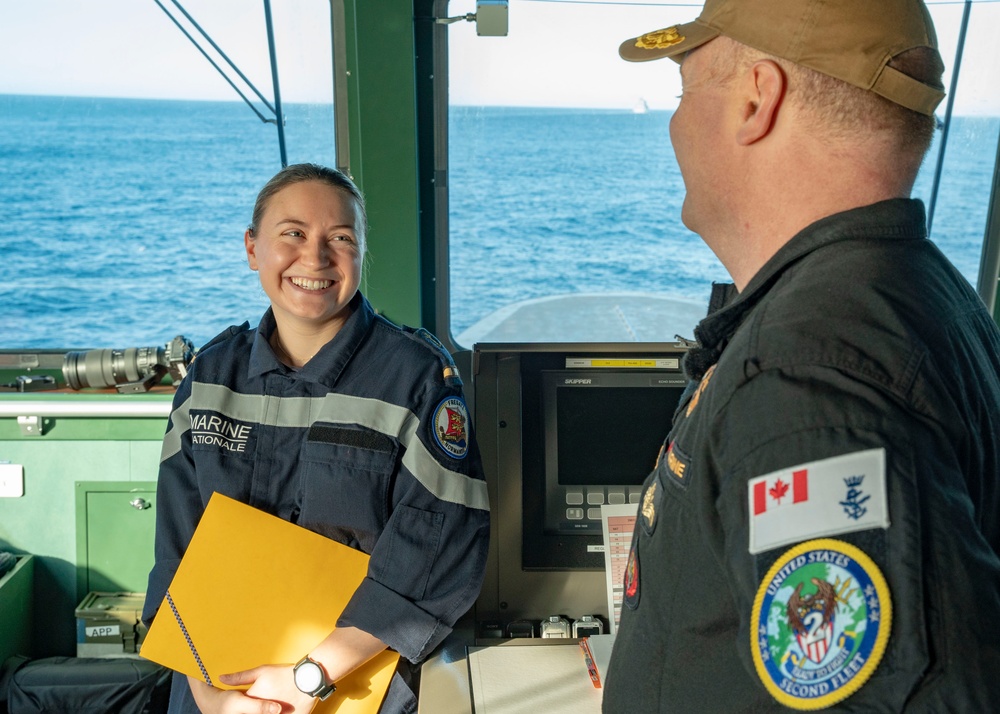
pixel 821 622
pixel 451 427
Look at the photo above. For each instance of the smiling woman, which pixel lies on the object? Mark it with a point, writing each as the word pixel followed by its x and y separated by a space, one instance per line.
pixel 328 442
pixel 307 243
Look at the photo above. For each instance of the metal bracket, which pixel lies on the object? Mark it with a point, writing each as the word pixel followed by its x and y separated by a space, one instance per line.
pixel 490 18
pixel 30 425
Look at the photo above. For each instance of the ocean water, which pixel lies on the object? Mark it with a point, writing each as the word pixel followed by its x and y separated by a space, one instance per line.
pixel 123 219
pixel 557 201
pixel 576 201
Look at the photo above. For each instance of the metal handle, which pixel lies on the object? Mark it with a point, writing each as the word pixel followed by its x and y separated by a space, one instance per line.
pixel 139 504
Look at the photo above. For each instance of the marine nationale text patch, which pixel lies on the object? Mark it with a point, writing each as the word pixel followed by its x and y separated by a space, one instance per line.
pixel 828 497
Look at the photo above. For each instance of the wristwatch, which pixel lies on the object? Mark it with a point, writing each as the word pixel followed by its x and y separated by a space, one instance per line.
pixel 311 679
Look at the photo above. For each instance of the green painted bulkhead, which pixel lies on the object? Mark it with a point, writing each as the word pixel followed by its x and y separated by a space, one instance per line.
pixel 64 519
pixel 83 473
pixel 391 151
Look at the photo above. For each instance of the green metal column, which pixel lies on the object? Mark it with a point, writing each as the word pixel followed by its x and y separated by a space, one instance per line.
pixel 383 150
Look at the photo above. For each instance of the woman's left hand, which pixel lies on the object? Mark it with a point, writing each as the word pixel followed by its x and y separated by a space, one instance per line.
pixel 273 682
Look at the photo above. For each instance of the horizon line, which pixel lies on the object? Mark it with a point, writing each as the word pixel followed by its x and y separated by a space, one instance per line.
pixel 963 112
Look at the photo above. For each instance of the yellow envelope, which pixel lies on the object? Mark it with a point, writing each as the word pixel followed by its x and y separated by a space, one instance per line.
pixel 255 589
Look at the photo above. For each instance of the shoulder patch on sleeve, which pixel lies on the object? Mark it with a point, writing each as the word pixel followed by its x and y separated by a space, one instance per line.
pixel 820 624
pixel 451 427
pixel 828 497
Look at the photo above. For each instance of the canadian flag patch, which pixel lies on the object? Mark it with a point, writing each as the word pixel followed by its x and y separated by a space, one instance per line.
pixel 828 497
pixel 778 491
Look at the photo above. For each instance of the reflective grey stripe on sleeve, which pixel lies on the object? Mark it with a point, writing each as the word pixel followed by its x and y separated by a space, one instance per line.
pixel 300 412
pixel 180 421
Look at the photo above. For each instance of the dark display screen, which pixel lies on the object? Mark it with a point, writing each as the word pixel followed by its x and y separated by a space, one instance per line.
pixel 611 435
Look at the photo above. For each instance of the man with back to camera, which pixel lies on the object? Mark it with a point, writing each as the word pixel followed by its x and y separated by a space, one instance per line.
pixel 822 528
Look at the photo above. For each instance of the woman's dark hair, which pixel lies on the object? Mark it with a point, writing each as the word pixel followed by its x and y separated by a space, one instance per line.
pixel 296 173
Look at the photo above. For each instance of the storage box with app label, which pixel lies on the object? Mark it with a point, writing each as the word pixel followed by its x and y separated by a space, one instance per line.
pixel 110 625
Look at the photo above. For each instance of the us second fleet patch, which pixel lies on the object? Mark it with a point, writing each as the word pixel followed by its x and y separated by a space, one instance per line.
pixel 821 622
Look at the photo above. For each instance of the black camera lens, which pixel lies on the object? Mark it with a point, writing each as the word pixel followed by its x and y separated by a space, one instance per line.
pixel 107 368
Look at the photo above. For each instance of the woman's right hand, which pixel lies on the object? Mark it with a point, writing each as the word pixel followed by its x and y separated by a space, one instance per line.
pixel 211 700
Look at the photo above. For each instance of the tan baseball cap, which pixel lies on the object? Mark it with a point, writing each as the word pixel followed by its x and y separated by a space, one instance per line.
pixel 852 40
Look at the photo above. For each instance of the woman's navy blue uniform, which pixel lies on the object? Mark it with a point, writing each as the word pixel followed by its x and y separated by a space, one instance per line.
pixel 368 444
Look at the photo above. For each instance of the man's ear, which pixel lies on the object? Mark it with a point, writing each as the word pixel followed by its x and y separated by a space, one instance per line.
pixel 765 86
pixel 251 249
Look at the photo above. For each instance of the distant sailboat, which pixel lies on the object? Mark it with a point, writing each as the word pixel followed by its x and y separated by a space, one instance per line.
pixel 640 107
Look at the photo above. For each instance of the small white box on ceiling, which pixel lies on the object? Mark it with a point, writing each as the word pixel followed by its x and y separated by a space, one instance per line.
pixel 491 18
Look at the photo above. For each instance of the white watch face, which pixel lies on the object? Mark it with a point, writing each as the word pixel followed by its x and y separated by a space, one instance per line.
pixel 308 677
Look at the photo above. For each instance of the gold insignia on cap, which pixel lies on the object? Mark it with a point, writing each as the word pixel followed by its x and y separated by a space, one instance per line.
pixel 648 509
pixel 659 39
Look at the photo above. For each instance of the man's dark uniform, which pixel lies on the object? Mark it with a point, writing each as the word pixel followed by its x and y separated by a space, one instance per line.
pixel 858 335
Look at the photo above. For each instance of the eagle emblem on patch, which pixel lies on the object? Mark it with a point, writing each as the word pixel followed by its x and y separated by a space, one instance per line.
pixel 659 39
pixel 821 622
pixel 451 427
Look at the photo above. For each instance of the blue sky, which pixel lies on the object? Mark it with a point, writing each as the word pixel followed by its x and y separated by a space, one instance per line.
pixel 130 48
pixel 556 53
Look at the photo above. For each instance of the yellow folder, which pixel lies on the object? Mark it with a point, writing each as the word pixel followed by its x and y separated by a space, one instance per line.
pixel 254 589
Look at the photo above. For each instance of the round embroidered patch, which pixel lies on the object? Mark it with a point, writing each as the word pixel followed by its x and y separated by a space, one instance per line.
pixel 821 622
pixel 451 427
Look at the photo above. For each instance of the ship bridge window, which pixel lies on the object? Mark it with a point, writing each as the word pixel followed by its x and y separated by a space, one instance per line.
pixel 129 164
pixel 565 196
